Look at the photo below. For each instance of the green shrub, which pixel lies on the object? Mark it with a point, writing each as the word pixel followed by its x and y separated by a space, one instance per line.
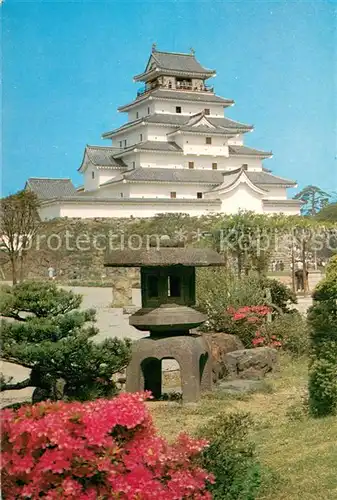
pixel 292 331
pixel 231 457
pixel 322 318
pixel 49 334
pixel 217 289
pixel 281 295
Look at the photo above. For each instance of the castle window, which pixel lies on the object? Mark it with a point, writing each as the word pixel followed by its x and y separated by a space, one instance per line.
pixel 140 137
pixel 137 115
pixel 173 194
pixel 207 111
pixel 120 144
pixel 214 166
pixel 125 142
pixel 199 196
pixel 122 195
pixel 148 110
pixel 133 164
pixel 178 109
pixel 93 175
pixel 208 140
pixel 191 164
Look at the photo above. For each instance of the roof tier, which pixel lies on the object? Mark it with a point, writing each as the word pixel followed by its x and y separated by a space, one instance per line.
pixel 178 95
pixel 178 120
pixel 173 64
pixel 46 188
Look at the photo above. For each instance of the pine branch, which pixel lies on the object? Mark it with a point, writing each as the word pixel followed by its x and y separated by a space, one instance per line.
pixel 18 385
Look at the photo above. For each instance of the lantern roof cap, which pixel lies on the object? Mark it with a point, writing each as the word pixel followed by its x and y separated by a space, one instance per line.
pixel 164 256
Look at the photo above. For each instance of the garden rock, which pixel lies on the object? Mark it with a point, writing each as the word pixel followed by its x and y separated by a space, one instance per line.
pixel 221 344
pixel 250 363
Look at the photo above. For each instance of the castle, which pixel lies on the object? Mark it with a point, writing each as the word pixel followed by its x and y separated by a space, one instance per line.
pixel 176 153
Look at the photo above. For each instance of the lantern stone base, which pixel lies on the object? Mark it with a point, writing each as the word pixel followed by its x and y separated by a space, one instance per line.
pixel 190 351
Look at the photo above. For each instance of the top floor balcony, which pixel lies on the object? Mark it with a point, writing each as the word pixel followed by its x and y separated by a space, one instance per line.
pixel 179 85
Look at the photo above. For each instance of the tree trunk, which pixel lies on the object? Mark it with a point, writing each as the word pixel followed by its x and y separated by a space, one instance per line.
pixel 305 279
pixel 293 268
pixel 14 269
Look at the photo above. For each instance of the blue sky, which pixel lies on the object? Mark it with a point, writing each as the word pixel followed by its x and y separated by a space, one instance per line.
pixel 67 66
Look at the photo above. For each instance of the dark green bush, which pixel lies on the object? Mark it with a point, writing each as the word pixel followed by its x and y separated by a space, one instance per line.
pixel 322 318
pixel 281 295
pixel 49 334
pixel 231 458
pixel 292 331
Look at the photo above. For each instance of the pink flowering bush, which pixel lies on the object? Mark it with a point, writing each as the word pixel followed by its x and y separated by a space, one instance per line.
pixel 249 323
pixel 102 449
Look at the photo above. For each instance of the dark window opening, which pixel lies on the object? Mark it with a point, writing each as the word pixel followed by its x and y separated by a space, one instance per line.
pixel 207 111
pixel 153 288
pixel 199 195
pixel 137 115
pixel 148 111
pixel 120 144
pixel 214 166
pixel 125 142
pixel 141 137
pixel 191 164
pixel 93 175
pixel 208 140
pixel 173 194
pixel 178 109
pixel 174 286
pixel 122 195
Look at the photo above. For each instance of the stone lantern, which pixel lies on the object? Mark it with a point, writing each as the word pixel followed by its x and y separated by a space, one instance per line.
pixel 168 294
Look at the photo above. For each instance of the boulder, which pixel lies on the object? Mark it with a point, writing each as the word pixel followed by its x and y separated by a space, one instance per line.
pixel 121 292
pixel 221 344
pixel 250 363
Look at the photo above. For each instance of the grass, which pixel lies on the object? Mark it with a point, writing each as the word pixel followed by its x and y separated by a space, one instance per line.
pixel 300 452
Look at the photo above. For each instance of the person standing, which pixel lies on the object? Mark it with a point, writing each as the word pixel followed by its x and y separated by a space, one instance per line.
pixel 51 273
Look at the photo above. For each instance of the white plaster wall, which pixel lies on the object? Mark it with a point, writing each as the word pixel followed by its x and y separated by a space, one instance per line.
pixel 131 136
pixel 50 211
pixel 203 162
pixel 158 133
pixel 115 190
pixel 152 190
pixel 242 197
pixel 143 109
pixel 88 182
pixel 276 193
pixel 254 164
pixel 196 144
pixel 128 209
pixel 236 141
pixel 280 208
pixel 187 108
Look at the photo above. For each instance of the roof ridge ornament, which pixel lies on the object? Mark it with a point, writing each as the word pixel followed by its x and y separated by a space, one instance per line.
pixel 192 51
pixel 154 47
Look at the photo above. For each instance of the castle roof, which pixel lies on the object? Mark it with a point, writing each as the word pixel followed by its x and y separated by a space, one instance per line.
pixel 179 95
pixel 101 156
pixel 198 176
pixel 46 188
pixel 247 151
pixel 173 63
pixel 178 120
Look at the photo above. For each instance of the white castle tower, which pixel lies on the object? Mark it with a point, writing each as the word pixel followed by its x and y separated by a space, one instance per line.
pixel 176 153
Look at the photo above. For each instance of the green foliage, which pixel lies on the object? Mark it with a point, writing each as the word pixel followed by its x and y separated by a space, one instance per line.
pixel 231 457
pixel 51 336
pixel 328 213
pixel 322 318
pixel 314 199
pixel 281 295
pixel 292 331
pixel 217 289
